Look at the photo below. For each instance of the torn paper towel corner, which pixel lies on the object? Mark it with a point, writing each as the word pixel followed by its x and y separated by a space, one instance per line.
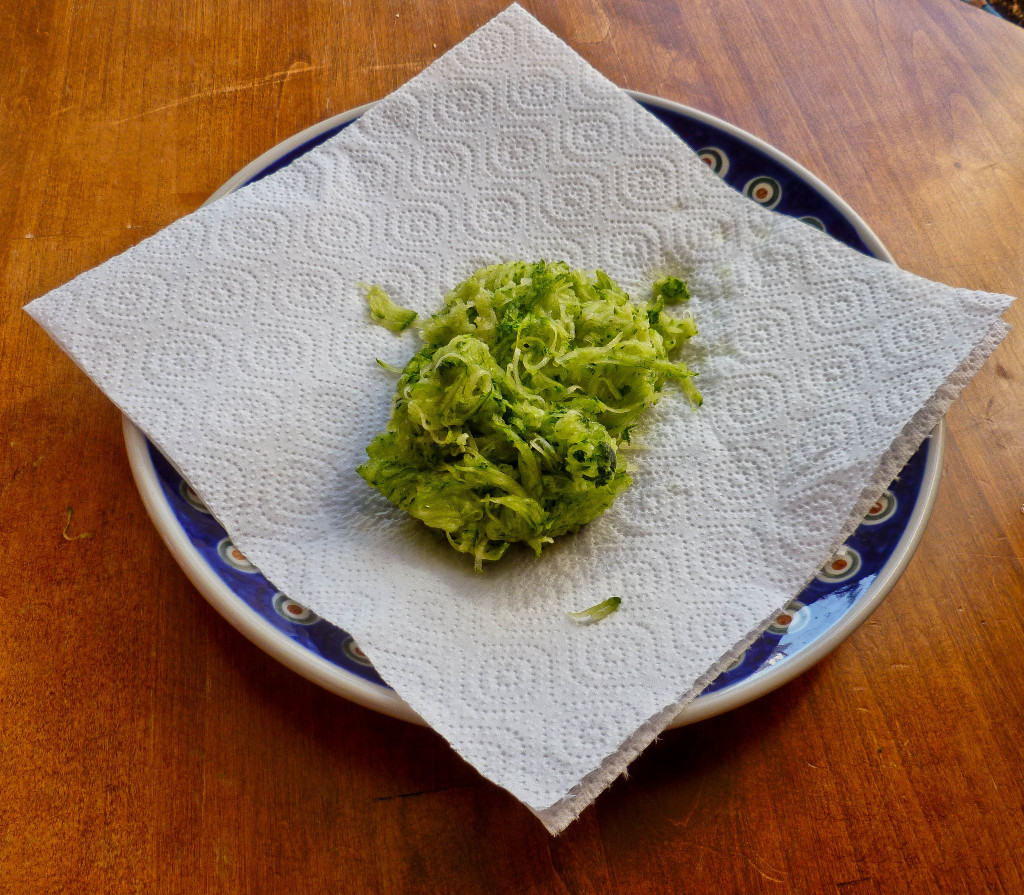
pixel 238 340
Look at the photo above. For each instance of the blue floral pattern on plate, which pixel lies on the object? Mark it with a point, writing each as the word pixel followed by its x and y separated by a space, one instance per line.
pixel 842 583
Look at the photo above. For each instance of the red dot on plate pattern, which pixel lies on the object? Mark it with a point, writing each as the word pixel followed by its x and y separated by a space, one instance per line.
pixel 839 564
pixel 294 609
pixel 761 192
pixel 784 619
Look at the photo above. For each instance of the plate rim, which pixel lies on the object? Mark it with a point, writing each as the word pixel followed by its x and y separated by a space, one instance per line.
pixel 321 671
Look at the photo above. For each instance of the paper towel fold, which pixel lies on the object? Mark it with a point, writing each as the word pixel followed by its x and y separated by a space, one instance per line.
pixel 238 340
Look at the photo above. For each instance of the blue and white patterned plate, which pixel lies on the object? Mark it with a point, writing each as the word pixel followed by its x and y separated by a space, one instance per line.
pixel 843 594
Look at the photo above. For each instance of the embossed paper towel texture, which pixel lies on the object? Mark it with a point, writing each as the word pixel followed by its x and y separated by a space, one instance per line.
pixel 238 340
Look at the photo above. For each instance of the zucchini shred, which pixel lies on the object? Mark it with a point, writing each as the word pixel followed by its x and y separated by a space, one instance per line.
pixel 507 425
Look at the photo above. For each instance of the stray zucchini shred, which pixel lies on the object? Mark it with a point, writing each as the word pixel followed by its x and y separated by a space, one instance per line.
pixel 596 613
pixel 385 312
pixel 506 426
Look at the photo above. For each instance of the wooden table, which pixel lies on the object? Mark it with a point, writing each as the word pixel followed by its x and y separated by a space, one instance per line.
pixel 145 746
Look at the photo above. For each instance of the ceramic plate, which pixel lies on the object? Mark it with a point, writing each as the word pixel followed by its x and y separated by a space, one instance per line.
pixel 843 594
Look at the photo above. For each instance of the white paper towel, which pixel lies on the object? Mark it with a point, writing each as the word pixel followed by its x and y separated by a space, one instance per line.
pixel 239 341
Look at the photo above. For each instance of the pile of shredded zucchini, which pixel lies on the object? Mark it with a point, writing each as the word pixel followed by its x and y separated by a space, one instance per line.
pixel 506 426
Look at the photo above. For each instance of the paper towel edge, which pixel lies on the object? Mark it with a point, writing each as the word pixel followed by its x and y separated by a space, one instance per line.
pixel 919 426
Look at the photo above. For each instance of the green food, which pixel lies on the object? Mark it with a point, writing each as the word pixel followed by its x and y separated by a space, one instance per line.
pixel 385 312
pixel 596 613
pixel 507 425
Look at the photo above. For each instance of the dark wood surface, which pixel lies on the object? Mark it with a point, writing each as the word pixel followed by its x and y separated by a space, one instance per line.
pixel 1011 10
pixel 145 746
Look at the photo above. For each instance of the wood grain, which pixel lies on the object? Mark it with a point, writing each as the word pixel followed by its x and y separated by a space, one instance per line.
pixel 145 746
